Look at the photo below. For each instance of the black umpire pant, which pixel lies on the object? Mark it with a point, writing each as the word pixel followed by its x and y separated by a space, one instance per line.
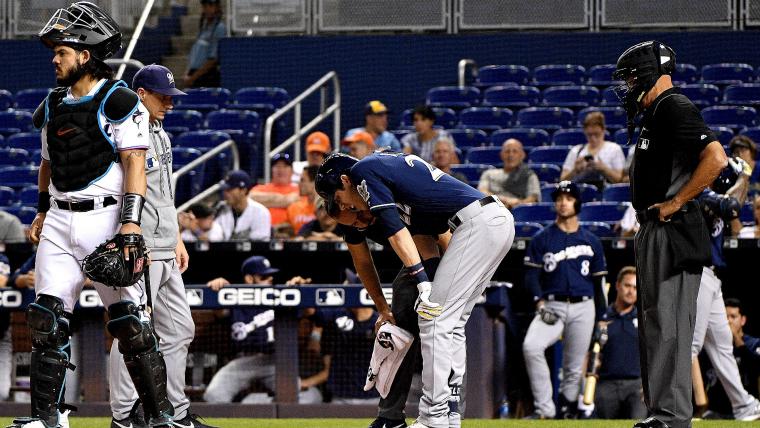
pixel 667 307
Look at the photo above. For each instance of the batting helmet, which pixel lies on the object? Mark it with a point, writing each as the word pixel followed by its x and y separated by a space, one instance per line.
pixel 725 180
pixel 328 177
pixel 570 188
pixel 83 26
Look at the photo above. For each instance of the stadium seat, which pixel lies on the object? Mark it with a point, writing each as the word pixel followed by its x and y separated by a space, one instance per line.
pixel 608 212
pixel 18 176
pixel 30 99
pixel 727 73
pixel 529 137
pixel 601 230
pixel 568 137
pixel 589 192
pixel 723 134
pixel 29 196
pixel 526 229
pixel 14 157
pixel 571 96
pixel 614 117
pixel 467 138
pixel 512 96
pixel 746 216
pixel 601 75
pixel 7 196
pixel 400 133
pixel 25 214
pixel 270 98
pixel 453 97
pixel 485 118
pixel 15 121
pixel 28 141
pixel 621 137
pixel 542 212
pixel 444 117
pixel 485 155
pixel 243 120
pixel 747 94
pixel 203 99
pixel 6 99
pixel 549 154
pixel 730 116
pixel 559 74
pixel 546 172
pixel 182 121
pixel 609 97
pixel 753 133
pixel 685 73
pixel 702 94
pixel 470 170
pixel 503 75
pixel 620 192
pixel 545 117
pixel 202 140
pixel 192 183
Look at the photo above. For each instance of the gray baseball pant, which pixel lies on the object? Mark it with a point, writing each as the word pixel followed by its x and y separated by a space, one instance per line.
pixel 175 328
pixel 6 363
pixel 477 247
pixel 712 331
pixel 575 325
pixel 667 306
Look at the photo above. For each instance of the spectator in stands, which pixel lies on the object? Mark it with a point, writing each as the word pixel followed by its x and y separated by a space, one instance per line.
pixel 421 142
pixel 280 192
pixel 376 124
pixel 253 338
pixel 628 225
pixel 317 146
pixel 745 148
pixel 360 144
pixel 203 61
pixel 323 228
pixel 6 347
pixel 11 229
pixel 240 218
pixel 515 184
pixel 618 393
pixel 196 223
pixel 304 210
pixel 754 230
pixel 597 162
pixel 444 154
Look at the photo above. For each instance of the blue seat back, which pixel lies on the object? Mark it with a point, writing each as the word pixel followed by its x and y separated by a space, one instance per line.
pixel 267 96
pixel 730 116
pixel 470 170
pixel 491 75
pixel 29 196
pixel 30 99
pixel 545 117
pixel 527 229
pixel 609 97
pixel 453 96
pixel 201 140
pixel 488 118
pixel 546 172
pixel 543 212
pixel 6 99
pixel 608 212
pixel 218 97
pixel 28 141
pixel 466 138
pixel 702 94
pixel 549 154
pixel 512 96
pixel 685 73
pixel 18 176
pixel 244 120
pixel 747 93
pixel 620 192
pixel 14 157
pixel 190 119
pixel 601 75
pixel 7 196
pixel 571 96
pixel 727 72
pixel 484 155
pixel 529 137
pixel 600 229
pixel 614 117
pixel 16 119
pixel 559 74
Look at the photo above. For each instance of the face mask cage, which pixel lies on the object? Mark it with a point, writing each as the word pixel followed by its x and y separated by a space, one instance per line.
pixel 79 15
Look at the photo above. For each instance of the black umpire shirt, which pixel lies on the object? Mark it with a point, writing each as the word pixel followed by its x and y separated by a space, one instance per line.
pixel 673 134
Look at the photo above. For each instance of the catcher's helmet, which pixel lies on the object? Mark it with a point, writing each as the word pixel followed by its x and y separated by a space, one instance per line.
pixel 725 180
pixel 83 26
pixel 570 188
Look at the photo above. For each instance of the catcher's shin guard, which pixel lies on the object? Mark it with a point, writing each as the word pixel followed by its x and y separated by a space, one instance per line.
pixel 145 363
pixel 50 357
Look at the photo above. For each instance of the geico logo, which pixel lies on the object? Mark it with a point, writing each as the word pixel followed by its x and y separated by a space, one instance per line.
pixel 365 300
pixel 89 299
pixel 259 296
pixel 11 299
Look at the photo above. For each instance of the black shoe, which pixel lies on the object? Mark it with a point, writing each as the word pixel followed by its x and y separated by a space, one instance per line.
pixel 382 422
pixel 536 415
pixel 651 422
pixel 568 410
pixel 136 418
pixel 191 420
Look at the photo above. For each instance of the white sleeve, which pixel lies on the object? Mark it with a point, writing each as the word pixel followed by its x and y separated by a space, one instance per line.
pixel 572 155
pixel 261 230
pixel 43 139
pixel 629 223
pixel 617 158
pixel 133 132
pixel 216 234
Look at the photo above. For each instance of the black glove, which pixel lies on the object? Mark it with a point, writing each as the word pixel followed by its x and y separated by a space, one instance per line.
pixel 547 316
pixel 118 262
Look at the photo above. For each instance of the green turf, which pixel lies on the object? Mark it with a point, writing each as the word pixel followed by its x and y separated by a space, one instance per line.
pixel 361 423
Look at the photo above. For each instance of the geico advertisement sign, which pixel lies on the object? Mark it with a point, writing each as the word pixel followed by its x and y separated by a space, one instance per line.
pixel 365 300
pixel 14 299
pixel 259 297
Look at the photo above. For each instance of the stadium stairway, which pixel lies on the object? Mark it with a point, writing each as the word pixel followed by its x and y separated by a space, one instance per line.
pixel 181 43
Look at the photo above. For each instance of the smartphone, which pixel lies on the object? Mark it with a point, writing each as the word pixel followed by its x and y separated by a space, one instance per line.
pixel 588 158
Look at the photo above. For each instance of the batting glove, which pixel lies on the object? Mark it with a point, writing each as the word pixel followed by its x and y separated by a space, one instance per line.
pixel 424 307
pixel 740 166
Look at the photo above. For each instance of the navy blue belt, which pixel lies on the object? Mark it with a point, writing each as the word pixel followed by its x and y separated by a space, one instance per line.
pixel 83 206
pixel 455 221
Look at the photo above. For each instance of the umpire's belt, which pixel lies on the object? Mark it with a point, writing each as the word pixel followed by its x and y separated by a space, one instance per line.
pixel 469 211
pixel 86 205
pixel 569 299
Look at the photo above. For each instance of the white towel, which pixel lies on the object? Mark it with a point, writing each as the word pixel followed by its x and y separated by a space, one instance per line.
pixel 391 345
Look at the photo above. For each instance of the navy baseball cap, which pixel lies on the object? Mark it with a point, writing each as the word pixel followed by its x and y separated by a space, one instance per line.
pixel 156 78
pixel 257 265
pixel 285 157
pixel 237 179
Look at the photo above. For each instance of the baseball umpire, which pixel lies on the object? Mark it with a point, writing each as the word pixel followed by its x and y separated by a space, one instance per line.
pixel 483 230
pixel 676 157
pixel 565 275
pixel 92 183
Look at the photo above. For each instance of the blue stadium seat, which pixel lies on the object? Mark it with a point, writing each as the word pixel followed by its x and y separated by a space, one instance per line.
pixel 470 170
pixel 589 193
pixel 746 216
pixel 529 137
pixel 36 156
pixel 568 137
pixel 485 118
pixel 753 133
pixel 620 192
pixel 453 97
pixel 512 96
pixel 485 155
pixel 609 97
pixel 545 117
pixel 546 172
pixel 685 73
pixel 244 120
pixel 251 98
pixel 192 183
pixel 25 214
pixel 30 99
pixel 183 121
pixel 400 133
pixel 730 116
pixel 6 99
pixel 15 121
pixel 723 134
pixel 14 157
pixel 621 137
pixel 503 75
pixel 181 156
pixel 549 154
pixel 601 75
pixel 7 196
pixel 29 196
pixel 702 94
pixel 601 230
pixel 614 117
pixel 201 140
pixel 542 212
pixel 608 212
pixel 559 74
pixel 727 73
pixel 203 99
pixel 571 96
pixel 526 229
pixel 407 119
pixel 28 141
pixel 444 117
pixel 467 138
pixel 18 176
pixel 747 93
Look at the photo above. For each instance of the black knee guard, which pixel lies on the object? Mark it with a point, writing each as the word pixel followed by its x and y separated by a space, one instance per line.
pixel 145 363
pixel 50 330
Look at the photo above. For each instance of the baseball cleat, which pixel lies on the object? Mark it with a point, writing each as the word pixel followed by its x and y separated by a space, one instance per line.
pixel 63 422
pixel 536 415
pixel 190 421
pixel 753 415
pixel 418 424
pixel 651 422
pixel 136 419
pixel 382 422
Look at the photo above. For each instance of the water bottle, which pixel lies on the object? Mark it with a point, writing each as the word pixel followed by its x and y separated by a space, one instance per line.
pixel 504 409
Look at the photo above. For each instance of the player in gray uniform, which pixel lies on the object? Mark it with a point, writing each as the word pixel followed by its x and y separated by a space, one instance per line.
pixel 173 322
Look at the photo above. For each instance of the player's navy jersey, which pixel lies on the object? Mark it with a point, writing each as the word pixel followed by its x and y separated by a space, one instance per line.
pixel 387 179
pixel 418 225
pixel 253 330
pixel 567 261
pixel 718 211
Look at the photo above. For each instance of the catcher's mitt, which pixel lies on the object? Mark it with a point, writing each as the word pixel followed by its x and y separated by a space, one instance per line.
pixel 109 264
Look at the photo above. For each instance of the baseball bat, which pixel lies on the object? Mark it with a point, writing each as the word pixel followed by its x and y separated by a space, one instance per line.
pixel 700 396
pixel 594 364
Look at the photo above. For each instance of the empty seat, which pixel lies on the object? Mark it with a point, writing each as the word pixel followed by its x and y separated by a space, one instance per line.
pixel 621 137
pixel 601 230
pixel 559 74
pixel 203 99
pixel 18 176
pixel 7 196
pixel 545 117
pixel 685 73
pixel 609 97
pixel 491 75
pixel 175 120
pixel 444 117
pixel 589 193
pixel 485 155
pixel 512 96
pixel 28 141
pixel 571 96
pixel 453 97
pixel 527 229
pixel 569 137
pixel 601 75
pixel 747 93
pixel 620 192
pixel 6 99
pixel 30 99
pixel 549 154
pixel 723 134
pixel 608 212
pixel 731 116
pixel 29 196
pixel 614 117
pixel 201 140
pixel 25 214
pixel 529 137
pixel 14 157
pixel 466 138
pixel 191 183
pixel 546 172
pixel 244 120
pixel 266 97
pixel 702 94
pixel 470 170
pixel 727 73
pixel 543 212
pixel 486 118
pixel 15 121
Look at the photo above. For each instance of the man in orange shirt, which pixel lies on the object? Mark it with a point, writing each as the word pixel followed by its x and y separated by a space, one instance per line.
pixel 317 147
pixel 302 212
pixel 280 192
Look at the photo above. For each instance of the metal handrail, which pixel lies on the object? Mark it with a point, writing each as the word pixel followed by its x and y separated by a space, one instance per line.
pixel 125 62
pixel 135 37
pixel 299 130
pixel 462 70
pixel 229 144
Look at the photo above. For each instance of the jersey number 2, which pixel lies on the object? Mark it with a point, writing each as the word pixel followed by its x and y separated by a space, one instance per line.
pixel 435 173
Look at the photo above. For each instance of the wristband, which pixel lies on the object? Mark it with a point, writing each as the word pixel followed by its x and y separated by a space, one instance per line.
pixel 418 272
pixel 43 202
pixel 131 208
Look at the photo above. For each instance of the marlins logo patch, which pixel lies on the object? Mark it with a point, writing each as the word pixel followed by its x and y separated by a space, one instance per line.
pixel 363 192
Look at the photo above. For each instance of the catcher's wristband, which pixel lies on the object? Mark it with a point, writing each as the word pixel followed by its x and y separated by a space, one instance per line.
pixel 43 202
pixel 131 208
